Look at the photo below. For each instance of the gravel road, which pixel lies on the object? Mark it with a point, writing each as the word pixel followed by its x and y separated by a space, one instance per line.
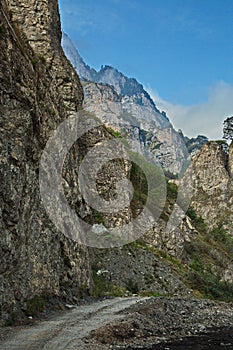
pixel 130 323
pixel 68 331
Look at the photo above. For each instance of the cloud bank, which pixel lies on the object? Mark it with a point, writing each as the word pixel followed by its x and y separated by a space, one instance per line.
pixel 201 119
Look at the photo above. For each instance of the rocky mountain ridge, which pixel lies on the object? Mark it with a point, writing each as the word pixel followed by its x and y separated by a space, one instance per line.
pixel 131 110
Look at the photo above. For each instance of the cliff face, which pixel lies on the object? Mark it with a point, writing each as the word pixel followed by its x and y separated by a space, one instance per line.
pixel 36 94
pixel 212 185
pixel 40 21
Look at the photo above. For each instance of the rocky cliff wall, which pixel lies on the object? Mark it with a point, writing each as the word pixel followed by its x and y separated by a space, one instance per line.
pixel 38 90
pixel 212 186
pixel 41 25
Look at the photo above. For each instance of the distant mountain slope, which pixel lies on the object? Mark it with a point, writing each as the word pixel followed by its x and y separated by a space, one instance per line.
pixel 124 104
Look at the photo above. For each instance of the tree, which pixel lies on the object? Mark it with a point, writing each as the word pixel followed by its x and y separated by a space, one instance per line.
pixel 228 128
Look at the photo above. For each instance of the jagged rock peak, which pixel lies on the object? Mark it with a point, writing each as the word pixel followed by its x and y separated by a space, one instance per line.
pixel 108 75
pixel 85 72
pixel 194 144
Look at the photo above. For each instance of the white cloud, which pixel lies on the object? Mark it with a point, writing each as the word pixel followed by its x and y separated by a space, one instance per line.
pixel 205 118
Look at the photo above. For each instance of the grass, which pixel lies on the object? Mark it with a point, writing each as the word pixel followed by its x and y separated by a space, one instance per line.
pixel 113 132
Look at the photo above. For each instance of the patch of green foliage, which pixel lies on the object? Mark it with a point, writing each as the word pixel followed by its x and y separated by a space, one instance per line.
pixel 11 319
pixel 209 285
pixel 172 191
pixel 35 305
pixel 142 173
pixel 201 275
pixel 2 30
pixel 132 286
pixel 197 221
pixel 97 217
pixel 104 287
pixel 113 132
pixel 150 293
pixel 220 237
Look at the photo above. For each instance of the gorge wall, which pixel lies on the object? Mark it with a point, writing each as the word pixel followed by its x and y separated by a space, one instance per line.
pixel 39 88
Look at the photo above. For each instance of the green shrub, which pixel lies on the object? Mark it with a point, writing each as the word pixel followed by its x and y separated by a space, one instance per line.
pixel 35 305
pixel 132 286
pixel 11 319
pixel 97 217
pixel 104 287
pixel 198 221
pixel 222 238
pixel 191 213
pixel 2 30
pixel 211 286
pixel 113 132
pixel 172 191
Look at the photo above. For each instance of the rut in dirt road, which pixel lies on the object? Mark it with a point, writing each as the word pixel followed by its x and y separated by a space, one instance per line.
pixel 67 331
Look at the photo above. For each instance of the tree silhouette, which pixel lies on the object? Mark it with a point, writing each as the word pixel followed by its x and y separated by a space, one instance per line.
pixel 228 128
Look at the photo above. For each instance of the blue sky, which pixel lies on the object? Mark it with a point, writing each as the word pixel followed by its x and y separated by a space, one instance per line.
pixel 181 50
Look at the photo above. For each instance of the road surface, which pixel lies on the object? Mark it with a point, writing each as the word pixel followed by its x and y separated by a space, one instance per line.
pixel 68 331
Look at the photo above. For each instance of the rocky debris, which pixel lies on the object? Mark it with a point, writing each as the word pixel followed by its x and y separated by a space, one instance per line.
pixel 160 320
pixel 138 270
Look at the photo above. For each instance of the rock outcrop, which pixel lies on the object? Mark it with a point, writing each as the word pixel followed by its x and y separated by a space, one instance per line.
pixel 40 21
pixel 194 144
pixel 212 186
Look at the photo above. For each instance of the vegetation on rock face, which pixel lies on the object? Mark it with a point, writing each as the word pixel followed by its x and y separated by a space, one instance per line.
pixel 206 257
pixel 103 285
pixel 2 30
pixel 198 221
pixel 113 132
pixel 228 128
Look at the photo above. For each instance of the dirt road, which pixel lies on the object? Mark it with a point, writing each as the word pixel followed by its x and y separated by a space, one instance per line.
pixel 68 331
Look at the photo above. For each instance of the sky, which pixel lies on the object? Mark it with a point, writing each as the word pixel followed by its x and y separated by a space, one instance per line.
pixel 180 50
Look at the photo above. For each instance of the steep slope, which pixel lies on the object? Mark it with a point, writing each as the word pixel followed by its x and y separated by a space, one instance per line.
pixel 131 110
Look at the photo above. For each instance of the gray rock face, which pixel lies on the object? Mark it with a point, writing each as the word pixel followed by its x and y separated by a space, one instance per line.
pixel 194 144
pixel 35 259
pixel 41 23
pixel 212 186
pixel 123 104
